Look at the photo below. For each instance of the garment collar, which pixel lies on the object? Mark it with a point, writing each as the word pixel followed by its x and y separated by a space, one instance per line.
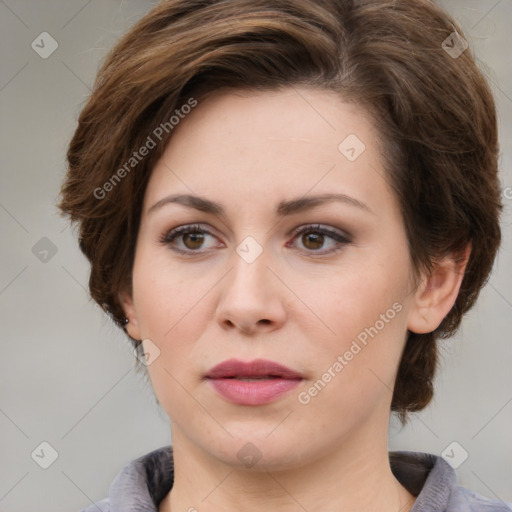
pixel 144 482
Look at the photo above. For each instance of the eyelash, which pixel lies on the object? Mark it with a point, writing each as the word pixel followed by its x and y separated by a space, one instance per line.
pixel 341 239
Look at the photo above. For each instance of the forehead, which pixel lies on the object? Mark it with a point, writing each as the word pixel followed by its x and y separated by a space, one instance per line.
pixel 265 146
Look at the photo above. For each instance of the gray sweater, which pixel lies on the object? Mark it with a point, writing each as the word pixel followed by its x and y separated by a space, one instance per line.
pixel 142 484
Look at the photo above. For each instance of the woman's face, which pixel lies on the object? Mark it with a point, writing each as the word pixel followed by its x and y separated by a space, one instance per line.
pixel 296 254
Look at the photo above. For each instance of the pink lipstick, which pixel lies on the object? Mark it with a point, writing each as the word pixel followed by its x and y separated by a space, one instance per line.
pixel 256 382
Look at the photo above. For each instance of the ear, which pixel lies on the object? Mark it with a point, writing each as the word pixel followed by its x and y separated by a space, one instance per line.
pixel 132 327
pixel 437 292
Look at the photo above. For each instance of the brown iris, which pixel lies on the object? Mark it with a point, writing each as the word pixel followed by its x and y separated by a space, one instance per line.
pixel 313 240
pixel 193 240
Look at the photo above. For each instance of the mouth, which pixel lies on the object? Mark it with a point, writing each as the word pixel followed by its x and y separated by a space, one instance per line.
pixel 252 370
pixel 256 382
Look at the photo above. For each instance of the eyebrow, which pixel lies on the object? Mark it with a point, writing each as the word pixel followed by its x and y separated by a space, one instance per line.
pixel 283 209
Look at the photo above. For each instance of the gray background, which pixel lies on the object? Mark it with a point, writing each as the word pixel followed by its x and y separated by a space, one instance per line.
pixel 67 375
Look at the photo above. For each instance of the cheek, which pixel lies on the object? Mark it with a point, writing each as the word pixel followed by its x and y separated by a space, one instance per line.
pixel 355 369
pixel 366 312
pixel 169 298
pixel 172 305
pixel 361 301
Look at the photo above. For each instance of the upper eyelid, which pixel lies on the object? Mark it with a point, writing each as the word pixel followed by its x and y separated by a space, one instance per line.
pixel 320 227
pixel 186 228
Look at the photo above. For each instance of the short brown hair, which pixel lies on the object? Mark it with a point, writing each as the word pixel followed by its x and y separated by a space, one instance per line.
pixel 433 108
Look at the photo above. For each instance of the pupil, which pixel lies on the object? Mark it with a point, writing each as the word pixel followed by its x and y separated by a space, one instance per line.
pixel 195 240
pixel 313 241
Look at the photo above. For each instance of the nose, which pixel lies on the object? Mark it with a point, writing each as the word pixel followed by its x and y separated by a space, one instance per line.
pixel 251 298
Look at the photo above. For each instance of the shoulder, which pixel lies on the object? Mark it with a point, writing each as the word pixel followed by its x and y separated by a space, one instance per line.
pixel 466 500
pixel 140 485
pixel 433 481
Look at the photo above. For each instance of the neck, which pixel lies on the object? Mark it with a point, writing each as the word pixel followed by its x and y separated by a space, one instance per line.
pixel 355 475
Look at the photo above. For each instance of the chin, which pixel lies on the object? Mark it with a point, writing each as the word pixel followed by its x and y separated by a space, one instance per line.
pixel 259 453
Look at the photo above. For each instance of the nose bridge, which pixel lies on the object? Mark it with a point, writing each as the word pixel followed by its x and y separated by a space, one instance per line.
pixel 249 297
pixel 250 270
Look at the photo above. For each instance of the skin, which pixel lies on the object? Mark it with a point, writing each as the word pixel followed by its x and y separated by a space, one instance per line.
pixel 249 151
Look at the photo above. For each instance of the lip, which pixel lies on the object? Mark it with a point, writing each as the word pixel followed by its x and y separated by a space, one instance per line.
pixel 274 380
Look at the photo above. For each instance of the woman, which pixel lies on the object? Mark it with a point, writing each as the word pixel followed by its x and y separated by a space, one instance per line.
pixel 285 204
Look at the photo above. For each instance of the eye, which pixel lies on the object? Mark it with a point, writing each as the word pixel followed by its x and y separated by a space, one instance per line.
pixel 315 239
pixel 188 239
pixel 320 239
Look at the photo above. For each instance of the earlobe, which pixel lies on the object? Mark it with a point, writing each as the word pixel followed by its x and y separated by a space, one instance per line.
pixel 437 292
pixel 132 324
